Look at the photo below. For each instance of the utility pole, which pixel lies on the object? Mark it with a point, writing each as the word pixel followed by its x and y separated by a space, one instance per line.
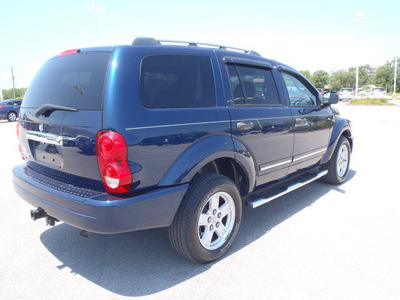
pixel 358 16
pixel 395 68
pixel 12 75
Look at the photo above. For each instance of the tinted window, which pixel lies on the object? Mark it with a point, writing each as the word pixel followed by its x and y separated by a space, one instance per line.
pixel 169 81
pixel 299 94
pixel 74 81
pixel 252 86
pixel 237 91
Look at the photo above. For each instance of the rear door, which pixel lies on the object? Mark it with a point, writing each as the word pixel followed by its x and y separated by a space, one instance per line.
pixel 61 114
pixel 259 119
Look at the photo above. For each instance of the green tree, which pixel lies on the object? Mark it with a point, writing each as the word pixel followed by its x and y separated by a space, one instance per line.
pixel 392 77
pixel 368 69
pixel 383 77
pixel 342 79
pixel 363 78
pixel 306 74
pixel 19 93
pixel 320 78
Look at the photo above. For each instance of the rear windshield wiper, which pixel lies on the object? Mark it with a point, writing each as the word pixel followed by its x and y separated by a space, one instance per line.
pixel 47 109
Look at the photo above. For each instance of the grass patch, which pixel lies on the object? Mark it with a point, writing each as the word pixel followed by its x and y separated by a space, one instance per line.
pixel 370 101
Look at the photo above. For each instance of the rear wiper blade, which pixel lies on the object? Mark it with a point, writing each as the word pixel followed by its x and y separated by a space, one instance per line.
pixel 47 109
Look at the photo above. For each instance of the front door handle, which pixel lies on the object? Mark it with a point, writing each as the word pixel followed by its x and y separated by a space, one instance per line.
pixel 244 125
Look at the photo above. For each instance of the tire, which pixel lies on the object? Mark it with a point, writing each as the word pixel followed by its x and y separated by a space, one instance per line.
pixel 338 166
pixel 12 116
pixel 208 219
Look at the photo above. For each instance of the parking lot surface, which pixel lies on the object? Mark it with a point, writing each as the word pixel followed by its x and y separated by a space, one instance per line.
pixel 319 242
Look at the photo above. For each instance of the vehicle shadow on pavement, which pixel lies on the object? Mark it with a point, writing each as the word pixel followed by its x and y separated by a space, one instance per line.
pixel 143 263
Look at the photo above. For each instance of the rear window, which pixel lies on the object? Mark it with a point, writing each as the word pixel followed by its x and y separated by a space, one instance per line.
pixel 75 81
pixel 347 90
pixel 378 89
pixel 177 81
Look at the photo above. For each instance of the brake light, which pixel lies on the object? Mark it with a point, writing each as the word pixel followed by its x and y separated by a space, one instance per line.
pixel 372 93
pixel 69 52
pixel 112 156
pixel 19 145
pixel 1 107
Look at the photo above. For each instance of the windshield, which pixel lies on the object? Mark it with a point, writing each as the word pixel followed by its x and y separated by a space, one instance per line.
pixel 75 81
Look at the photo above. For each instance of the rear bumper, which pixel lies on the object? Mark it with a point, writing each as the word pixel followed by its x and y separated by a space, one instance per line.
pixel 345 97
pixel 96 211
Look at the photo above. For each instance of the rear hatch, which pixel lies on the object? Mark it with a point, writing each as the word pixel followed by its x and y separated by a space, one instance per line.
pixel 61 114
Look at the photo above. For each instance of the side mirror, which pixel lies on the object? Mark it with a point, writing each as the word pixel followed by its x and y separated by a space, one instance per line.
pixel 330 98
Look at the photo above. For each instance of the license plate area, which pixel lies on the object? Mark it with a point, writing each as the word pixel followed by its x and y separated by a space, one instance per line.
pixel 46 148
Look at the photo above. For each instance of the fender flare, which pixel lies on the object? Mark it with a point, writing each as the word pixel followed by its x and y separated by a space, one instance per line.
pixel 204 151
pixel 341 126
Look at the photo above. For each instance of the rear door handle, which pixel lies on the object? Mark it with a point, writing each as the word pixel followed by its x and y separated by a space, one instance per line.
pixel 244 125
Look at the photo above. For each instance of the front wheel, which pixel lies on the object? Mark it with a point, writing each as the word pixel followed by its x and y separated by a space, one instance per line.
pixel 338 166
pixel 208 219
pixel 12 117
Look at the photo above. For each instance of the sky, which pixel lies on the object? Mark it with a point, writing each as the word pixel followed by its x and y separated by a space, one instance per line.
pixel 306 35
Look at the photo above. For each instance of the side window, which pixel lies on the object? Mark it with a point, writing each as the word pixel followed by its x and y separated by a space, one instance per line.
pixel 299 94
pixel 236 86
pixel 252 86
pixel 177 81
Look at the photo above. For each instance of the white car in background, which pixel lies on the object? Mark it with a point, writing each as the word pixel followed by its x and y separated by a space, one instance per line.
pixel 346 94
pixel 378 92
pixel 364 93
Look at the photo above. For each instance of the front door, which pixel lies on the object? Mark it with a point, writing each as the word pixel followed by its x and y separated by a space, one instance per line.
pixel 312 123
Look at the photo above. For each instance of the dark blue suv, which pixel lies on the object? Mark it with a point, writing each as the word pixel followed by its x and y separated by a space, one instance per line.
pixel 172 134
pixel 9 109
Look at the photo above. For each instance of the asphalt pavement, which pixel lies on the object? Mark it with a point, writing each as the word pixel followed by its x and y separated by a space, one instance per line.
pixel 319 242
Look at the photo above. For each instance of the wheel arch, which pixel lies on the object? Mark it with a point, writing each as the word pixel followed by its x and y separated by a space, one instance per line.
pixel 341 128
pixel 218 154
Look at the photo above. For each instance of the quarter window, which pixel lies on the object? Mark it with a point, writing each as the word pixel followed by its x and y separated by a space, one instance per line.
pixel 177 81
pixel 299 94
pixel 252 86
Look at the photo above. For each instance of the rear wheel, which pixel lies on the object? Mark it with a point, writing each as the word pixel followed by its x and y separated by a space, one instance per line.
pixel 12 116
pixel 338 166
pixel 208 220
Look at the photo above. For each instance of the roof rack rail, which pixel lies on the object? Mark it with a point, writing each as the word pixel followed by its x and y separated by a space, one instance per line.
pixel 152 41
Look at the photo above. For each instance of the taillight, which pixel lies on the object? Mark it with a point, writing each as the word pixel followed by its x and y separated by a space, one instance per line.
pixel 19 145
pixel 1 107
pixel 352 94
pixel 112 156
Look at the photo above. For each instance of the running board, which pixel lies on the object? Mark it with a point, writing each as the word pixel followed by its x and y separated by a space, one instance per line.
pixel 290 188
